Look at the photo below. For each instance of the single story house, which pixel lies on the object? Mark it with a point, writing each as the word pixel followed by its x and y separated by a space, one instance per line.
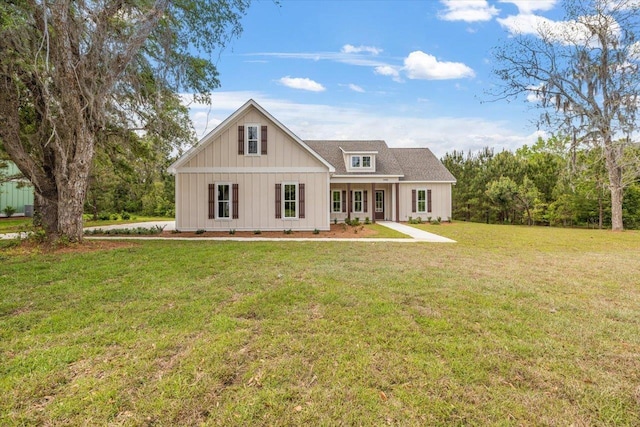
pixel 252 173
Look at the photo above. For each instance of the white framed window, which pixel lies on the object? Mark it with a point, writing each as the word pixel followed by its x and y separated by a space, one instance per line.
pixel 359 162
pixel 336 201
pixel 253 140
pixel 223 200
pixel 290 200
pixel 422 201
pixel 358 201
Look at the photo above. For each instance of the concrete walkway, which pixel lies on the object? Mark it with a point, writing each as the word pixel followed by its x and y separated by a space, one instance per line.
pixel 415 234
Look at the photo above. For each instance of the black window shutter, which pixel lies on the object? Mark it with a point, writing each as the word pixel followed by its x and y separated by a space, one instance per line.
pixel 278 201
pixel 263 138
pixel 241 140
pixel 234 201
pixel 428 200
pixel 344 201
pixel 365 200
pixel 212 201
pixel 301 203
pixel 413 201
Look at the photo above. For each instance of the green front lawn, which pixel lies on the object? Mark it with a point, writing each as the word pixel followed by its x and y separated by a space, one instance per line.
pixel 509 326
pixel 17 224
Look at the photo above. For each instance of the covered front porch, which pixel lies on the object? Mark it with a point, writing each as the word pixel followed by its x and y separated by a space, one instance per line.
pixel 375 201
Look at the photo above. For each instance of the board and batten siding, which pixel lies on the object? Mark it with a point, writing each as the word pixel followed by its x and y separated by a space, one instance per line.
pixel 440 200
pixel 256 201
pixel 282 151
pixel 218 161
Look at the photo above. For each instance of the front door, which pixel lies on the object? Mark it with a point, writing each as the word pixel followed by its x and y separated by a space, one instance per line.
pixel 379 206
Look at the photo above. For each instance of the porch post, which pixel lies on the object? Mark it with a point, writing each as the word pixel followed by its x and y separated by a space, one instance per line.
pixel 373 202
pixel 397 202
pixel 349 201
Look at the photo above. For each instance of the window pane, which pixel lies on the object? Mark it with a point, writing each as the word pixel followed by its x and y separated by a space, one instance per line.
pixel 290 194
pixel 223 192
pixel 253 147
pixel 337 202
pixel 355 161
pixel 422 197
pixel 366 161
pixel 357 201
pixel 223 200
pixel 253 132
pixel 252 139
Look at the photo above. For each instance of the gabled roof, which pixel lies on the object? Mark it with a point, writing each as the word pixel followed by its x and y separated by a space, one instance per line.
pixel 232 118
pixel 419 164
pixel 332 151
pixel 410 164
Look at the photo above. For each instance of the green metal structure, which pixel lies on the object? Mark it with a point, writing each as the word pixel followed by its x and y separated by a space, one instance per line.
pixel 17 193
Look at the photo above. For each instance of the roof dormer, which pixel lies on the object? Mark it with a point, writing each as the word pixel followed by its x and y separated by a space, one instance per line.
pixel 359 161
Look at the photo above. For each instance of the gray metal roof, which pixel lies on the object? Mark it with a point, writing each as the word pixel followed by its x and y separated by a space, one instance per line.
pixel 412 164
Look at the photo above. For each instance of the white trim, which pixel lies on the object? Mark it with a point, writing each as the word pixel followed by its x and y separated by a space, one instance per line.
pixel 353 201
pixel 361 168
pixel 371 179
pixel 230 201
pixel 426 206
pixel 231 119
pixel 284 202
pixel 258 152
pixel 358 151
pixel 206 169
pixel 368 176
pixel 427 182
pixel 340 207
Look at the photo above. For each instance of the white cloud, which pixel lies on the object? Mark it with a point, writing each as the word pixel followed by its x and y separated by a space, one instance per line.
pixel 319 121
pixel 534 95
pixel 347 48
pixel 356 88
pixel 468 10
pixel 525 24
pixel 529 6
pixel 420 65
pixel 387 70
pixel 564 32
pixel 302 84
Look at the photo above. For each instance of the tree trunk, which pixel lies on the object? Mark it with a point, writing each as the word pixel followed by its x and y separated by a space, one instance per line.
pixel 600 210
pixel 613 154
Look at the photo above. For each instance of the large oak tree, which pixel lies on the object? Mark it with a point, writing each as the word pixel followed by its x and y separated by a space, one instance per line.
pixel 585 73
pixel 74 72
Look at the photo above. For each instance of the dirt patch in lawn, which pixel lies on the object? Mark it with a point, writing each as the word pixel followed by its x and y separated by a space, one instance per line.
pixel 29 247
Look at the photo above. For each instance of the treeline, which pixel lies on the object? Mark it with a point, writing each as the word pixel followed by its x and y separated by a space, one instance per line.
pixel 131 178
pixel 545 184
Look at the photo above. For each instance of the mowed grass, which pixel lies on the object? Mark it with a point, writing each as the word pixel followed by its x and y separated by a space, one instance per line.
pixel 17 224
pixel 509 326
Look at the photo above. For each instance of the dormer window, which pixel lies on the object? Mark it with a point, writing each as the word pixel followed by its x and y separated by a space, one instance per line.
pixel 362 162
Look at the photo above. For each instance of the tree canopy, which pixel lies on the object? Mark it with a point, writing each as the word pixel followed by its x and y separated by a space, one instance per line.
pixel 584 72
pixel 77 76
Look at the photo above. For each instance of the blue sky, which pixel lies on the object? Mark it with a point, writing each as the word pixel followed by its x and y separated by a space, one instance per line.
pixel 413 73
